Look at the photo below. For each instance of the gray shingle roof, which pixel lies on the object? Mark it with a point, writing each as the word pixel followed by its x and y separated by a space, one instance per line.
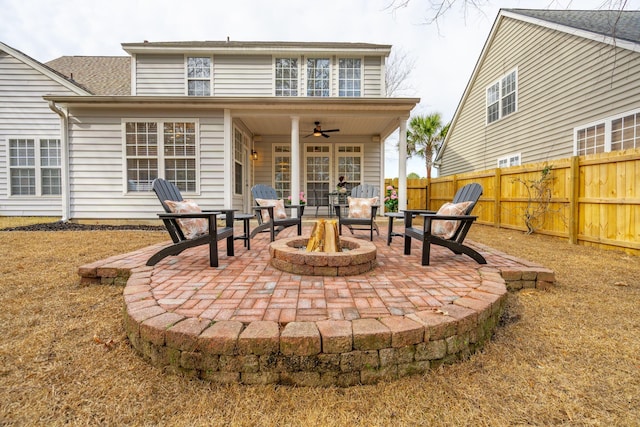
pixel 620 24
pixel 101 75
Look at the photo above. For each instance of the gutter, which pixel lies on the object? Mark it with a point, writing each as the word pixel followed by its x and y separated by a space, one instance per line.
pixel 64 154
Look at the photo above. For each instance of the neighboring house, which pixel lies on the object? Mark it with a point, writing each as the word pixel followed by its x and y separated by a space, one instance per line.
pixel 213 117
pixel 548 84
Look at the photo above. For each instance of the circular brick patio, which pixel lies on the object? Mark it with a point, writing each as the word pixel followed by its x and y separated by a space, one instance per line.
pixel 251 323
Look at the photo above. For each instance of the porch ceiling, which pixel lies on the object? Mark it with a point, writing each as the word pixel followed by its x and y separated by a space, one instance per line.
pixel 272 116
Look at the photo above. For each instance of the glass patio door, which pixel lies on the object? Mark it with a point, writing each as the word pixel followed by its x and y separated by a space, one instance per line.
pixel 318 173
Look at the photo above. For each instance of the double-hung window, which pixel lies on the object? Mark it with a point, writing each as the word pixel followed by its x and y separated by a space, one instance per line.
pixel 282 170
pixel 349 76
pixel 619 132
pixel 318 77
pixel 238 159
pixel 160 150
pixel 35 167
pixel 502 97
pixel 510 160
pixel 286 76
pixel 199 76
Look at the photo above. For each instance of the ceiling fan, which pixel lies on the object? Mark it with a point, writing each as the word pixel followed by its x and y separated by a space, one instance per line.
pixel 317 131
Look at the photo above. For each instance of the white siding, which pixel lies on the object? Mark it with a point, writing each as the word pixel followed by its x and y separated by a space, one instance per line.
pixel 563 81
pixel 23 113
pixel 242 75
pixel 97 164
pixel 160 75
pixel 372 76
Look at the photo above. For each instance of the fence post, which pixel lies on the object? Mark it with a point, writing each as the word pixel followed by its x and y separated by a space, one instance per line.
pixel 574 195
pixel 497 196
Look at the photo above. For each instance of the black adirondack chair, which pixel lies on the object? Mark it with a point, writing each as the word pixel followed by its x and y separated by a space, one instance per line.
pixel 368 224
pixel 274 225
pixel 471 193
pixel 166 190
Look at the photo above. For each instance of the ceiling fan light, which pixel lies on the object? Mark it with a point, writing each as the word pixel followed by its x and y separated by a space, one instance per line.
pixel 317 133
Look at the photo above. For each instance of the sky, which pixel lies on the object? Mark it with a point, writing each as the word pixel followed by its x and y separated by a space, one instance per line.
pixel 443 53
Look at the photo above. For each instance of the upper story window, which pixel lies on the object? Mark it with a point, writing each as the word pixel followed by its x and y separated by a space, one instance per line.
pixel 318 76
pixel 349 76
pixel 613 133
pixel 502 97
pixel 160 150
pixel 35 167
pixel 286 81
pixel 199 76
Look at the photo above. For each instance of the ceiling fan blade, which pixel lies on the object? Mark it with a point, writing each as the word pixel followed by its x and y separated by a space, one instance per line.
pixel 331 130
pixel 325 135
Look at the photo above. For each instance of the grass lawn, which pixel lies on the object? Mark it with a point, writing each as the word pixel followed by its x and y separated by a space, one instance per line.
pixel 569 355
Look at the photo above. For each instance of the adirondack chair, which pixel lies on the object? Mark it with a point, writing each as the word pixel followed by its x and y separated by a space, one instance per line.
pixel 179 226
pixel 269 211
pixel 358 217
pixel 444 229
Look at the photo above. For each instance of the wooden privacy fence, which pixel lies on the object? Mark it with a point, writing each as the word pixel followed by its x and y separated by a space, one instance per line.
pixel 592 200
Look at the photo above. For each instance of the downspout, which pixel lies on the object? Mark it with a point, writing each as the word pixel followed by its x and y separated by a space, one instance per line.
pixel 64 154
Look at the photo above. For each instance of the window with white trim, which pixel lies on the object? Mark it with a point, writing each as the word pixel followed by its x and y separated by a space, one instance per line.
pixel 160 150
pixel 510 160
pixel 35 167
pixel 198 76
pixel 318 77
pixel 349 163
pixel 238 158
pixel 286 76
pixel 501 97
pixel 282 170
pixel 349 76
pixel 614 133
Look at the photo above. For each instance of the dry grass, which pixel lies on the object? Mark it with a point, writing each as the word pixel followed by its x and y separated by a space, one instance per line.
pixel 568 356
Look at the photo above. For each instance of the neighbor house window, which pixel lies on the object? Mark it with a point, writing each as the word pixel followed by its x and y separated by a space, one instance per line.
pixel 349 77
pixel 590 140
pixel 619 132
pixel 160 150
pixel 282 170
pixel 625 132
pixel 199 76
pixel 35 167
pixel 510 160
pixel 286 82
pixel 501 98
pixel 318 76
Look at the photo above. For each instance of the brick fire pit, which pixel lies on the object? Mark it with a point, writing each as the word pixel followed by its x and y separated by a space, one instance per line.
pixel 288 255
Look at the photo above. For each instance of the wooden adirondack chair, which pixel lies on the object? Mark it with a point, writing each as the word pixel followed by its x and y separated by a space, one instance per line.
pixel 363 191
pixel 167 191
pixel 274 225
pixel 469 193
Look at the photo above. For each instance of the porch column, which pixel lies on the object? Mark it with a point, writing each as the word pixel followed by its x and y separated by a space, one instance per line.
pixel 295 163
pixel 402 164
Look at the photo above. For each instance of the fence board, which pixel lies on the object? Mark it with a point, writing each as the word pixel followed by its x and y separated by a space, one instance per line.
pixel 595 199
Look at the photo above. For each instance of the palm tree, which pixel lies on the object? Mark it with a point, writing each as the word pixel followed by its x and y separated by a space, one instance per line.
pixel 425 136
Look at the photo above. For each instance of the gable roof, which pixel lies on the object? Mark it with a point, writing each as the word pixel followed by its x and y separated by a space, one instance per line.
pixel 618 25
pixel 46 70
pixel 102 75
pixel 618 28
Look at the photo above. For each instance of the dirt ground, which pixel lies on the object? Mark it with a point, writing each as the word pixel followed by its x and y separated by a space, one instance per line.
pixel 569 355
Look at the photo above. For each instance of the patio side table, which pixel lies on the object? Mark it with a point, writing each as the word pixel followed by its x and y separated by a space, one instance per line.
pixel 392 216
pixel 245 218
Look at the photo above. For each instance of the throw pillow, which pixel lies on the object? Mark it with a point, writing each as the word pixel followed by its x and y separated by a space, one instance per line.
pixel 447 228
pixel 191 227
pixel 278 209
pixel 360 207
